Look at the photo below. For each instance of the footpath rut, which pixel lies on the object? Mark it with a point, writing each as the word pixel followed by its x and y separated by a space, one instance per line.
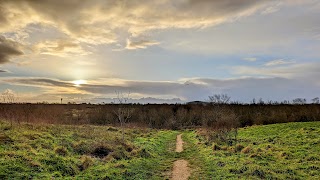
pixel 181 171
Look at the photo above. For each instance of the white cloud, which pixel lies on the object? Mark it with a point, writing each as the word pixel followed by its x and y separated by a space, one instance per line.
pixel 307 71
pixel 278 62
pixel 60 47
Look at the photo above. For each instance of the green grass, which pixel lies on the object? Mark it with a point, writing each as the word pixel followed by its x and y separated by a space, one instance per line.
pixel 68 152
pixel 278 151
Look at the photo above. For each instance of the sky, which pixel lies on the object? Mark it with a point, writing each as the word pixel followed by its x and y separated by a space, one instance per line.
pixel 159 51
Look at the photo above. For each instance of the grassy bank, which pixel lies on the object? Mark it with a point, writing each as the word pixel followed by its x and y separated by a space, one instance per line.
pixel 278 151
pixel 84 152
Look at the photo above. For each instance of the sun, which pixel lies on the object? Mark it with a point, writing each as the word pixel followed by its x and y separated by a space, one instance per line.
pixel 79 82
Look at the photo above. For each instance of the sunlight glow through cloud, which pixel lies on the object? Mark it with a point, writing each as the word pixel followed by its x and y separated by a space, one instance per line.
pixel 181 50
pixel 78 83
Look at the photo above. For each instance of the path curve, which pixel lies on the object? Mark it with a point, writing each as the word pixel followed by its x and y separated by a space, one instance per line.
pixel 181 171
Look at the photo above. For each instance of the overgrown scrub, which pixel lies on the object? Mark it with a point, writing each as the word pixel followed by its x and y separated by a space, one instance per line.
pixel 42 151
pixel 162 116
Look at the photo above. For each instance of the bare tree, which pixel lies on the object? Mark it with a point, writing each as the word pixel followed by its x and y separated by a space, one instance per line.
pixel 222 122
pixel 8 96
pixel 124 110
pixel 299 101
pixel 219 99
pixel 315 100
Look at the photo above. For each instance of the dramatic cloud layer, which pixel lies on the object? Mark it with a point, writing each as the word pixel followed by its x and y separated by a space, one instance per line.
pixel 160 51
pixel 240 89
pixel 99 21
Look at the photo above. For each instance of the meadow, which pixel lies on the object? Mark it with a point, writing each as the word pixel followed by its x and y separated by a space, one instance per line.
pixel 40 151
pixel 277 151
pixel 46 151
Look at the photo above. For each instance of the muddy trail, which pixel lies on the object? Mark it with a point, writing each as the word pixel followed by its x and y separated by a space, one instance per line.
pixel 181 171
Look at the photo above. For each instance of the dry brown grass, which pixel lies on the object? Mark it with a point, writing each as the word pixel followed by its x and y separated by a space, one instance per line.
pixel 246 150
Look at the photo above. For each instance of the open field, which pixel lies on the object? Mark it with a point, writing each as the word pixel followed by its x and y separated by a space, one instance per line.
pixel 39 151
pixel 85 152
pixel 278 151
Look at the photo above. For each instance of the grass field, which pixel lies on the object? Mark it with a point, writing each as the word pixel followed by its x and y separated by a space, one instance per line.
pixel 279 151
pixel 84 152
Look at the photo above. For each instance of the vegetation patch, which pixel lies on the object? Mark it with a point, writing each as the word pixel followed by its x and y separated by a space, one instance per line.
pixel 278 151
pixel 32 151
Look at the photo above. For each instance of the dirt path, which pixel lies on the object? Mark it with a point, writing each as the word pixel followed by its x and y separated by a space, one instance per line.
pixel 181 171
pixel 179 144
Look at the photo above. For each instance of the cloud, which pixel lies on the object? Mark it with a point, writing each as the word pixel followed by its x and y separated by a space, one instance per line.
pixel 307 71
pixel 142 44
pixel 251 59
pixel 188 89
pixel 272 9
pixel 40 82
pixel 136 100
pixel 60 47
pixel 99 22
pixel 278 62
pixel 8 49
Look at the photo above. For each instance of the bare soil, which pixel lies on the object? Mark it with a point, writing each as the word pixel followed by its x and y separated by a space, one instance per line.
pixel 181 171
pixel 179 143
